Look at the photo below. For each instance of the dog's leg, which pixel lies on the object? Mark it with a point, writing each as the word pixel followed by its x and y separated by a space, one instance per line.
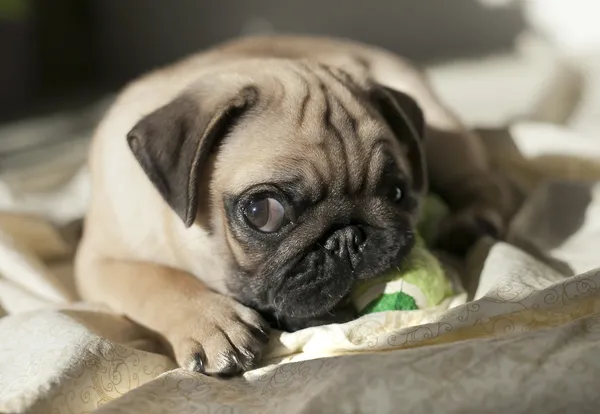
pixel 206 331
pixel 480 200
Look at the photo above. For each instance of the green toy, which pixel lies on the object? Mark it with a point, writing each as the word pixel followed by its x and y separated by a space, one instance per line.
pixel 419 283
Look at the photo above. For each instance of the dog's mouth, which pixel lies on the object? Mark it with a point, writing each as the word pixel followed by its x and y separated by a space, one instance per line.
pixel 319 284
pixel 313 287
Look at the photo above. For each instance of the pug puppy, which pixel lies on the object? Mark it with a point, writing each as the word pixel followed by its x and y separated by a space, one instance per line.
pixel 253 184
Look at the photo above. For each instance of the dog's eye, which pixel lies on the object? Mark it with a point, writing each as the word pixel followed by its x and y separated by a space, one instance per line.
pixel 397 193
pixel 266 214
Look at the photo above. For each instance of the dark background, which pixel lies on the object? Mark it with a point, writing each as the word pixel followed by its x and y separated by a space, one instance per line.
pixel 61 53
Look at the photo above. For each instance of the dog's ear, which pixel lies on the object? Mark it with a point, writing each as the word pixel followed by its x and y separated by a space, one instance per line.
pixel 173 143
pixel 406 119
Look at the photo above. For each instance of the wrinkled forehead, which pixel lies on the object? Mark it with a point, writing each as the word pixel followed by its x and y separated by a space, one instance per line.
pixel 269 151
pixel 312 124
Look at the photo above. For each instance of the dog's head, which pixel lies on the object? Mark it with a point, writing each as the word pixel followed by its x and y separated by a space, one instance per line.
pixel 309 177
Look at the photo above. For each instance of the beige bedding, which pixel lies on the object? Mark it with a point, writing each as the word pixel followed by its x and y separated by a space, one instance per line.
pixel 529 342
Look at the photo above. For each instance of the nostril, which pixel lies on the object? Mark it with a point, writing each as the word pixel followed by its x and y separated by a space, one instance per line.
pixel 333 243
pixel 357 238
pixel 358 243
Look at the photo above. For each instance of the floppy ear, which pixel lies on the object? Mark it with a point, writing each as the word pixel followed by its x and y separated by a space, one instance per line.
pixel 405 118
pixel 172 144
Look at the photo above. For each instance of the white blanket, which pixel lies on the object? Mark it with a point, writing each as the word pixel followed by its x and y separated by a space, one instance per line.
pixel 528 342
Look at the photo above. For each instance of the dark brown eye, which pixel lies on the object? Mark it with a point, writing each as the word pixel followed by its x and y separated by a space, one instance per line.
pixel 265 215
pixel 397 193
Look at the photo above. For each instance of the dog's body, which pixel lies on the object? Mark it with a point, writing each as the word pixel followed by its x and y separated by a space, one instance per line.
pixel 167 239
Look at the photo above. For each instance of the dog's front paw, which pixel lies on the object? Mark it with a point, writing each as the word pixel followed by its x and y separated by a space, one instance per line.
pixel 219 337
pixel 460 231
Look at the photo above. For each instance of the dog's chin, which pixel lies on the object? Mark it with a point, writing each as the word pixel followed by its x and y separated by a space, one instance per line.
pixel 343 312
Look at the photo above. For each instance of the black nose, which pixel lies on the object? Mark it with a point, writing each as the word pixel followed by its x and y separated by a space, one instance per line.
pixel 347 244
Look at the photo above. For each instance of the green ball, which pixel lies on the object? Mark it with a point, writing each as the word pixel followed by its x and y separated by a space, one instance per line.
pixel 391 301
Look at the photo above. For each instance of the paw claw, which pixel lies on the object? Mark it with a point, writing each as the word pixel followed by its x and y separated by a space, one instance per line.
pixel 198 362
pixel 487 228
pixel 223 346
pixel 260 334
